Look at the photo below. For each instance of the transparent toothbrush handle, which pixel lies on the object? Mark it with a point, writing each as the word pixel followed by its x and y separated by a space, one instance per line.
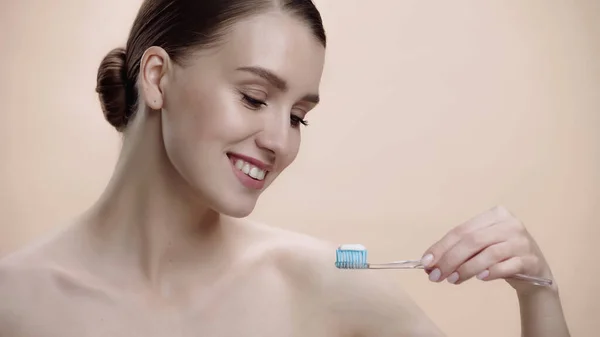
pixel 539 281
pixel 416 264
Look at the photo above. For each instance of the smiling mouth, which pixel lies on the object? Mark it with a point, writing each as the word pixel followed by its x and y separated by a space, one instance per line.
pixel 248 169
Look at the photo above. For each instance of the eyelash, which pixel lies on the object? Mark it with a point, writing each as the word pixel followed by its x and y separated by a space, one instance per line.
pixel 296 121
pixel 256 104
pixel 253 103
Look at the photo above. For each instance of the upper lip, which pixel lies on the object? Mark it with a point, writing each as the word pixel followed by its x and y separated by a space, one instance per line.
pixel 260 164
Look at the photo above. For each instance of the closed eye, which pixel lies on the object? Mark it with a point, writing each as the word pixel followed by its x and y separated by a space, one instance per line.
pixel 252 103
pixel 255 104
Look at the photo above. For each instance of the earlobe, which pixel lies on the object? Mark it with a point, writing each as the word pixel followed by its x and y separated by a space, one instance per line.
pixel 153 67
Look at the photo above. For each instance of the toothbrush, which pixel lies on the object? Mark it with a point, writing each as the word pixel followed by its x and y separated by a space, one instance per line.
pixel 354 256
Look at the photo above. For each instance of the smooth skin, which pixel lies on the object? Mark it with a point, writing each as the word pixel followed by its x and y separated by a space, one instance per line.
pixel 166 251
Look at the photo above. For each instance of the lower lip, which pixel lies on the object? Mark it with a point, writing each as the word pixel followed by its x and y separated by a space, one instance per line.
pixel 245 179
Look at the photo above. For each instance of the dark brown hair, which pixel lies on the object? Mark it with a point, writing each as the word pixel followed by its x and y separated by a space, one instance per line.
pixel 179 27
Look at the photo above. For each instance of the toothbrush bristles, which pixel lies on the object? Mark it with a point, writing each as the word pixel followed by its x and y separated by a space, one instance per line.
pixel 351 257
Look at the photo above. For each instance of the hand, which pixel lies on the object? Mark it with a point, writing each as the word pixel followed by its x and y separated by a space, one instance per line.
pixel 490 246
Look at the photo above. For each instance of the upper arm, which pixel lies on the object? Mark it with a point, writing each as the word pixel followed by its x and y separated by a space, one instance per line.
pixel 9 300
pixel 375 307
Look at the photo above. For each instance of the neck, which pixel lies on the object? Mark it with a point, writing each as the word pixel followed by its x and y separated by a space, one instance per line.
pixel 148 220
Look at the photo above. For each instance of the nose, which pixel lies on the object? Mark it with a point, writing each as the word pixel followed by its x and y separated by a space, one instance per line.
pixel 274 136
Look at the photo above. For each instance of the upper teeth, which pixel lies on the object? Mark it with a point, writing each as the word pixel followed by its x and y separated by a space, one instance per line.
pixel 250 170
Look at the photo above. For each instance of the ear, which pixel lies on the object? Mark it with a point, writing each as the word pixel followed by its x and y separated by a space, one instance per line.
pixel 153 68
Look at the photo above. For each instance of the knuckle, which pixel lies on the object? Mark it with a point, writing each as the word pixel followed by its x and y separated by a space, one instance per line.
pixel 516 224
pixel 445 244
pixel 436 248
pixel 447 264
pixel 473 240
pixel 513 227
pixel 452 237
pixel 458 231
pixel 520 265
pixel 534 260
pixel 497 252
pixel 498 270
pixel 522 244
pixel 443 263
pixel 467 271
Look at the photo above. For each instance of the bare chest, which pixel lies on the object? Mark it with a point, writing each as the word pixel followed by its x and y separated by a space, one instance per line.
pixel 253 306
pixel 261 319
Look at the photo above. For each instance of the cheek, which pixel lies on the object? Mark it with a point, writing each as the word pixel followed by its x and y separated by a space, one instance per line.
pixel 202 115
pixel 190 125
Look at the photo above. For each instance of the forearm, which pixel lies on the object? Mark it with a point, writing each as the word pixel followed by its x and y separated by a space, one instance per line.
pixel 542 314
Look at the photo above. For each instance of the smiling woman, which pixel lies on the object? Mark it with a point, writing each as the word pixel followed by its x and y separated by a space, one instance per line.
pixel 211 97
pixel 229 95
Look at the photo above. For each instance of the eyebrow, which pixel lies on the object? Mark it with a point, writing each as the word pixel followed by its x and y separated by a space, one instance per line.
pixel 277 81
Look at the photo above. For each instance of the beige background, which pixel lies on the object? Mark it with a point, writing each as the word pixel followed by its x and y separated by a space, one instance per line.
pixel 433 111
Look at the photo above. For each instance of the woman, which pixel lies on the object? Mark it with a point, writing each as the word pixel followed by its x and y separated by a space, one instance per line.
pixel 211 96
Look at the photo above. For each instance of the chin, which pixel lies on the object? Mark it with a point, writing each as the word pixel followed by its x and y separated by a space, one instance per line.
pixel 236 211
pixel 235 206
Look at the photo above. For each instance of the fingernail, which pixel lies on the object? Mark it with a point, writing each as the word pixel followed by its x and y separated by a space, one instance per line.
pixel 435 275
pixel 426 260
pixel 483 274
pixel 453 278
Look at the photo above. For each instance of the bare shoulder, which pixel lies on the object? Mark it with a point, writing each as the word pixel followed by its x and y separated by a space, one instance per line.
pixel 19 269
pixel 20 284
pixel 35 284
pixel 23 268
pixel 299 257
pixel 365 303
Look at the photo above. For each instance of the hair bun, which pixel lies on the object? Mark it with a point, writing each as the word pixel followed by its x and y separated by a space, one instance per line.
pixel 111 87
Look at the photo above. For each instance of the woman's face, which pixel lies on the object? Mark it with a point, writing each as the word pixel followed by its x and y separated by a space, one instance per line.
pixel 232 116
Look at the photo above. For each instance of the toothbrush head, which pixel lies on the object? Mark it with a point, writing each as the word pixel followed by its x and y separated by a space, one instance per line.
pixel 351 256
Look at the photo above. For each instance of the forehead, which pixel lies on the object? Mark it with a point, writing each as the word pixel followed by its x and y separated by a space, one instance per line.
pixel 275 41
